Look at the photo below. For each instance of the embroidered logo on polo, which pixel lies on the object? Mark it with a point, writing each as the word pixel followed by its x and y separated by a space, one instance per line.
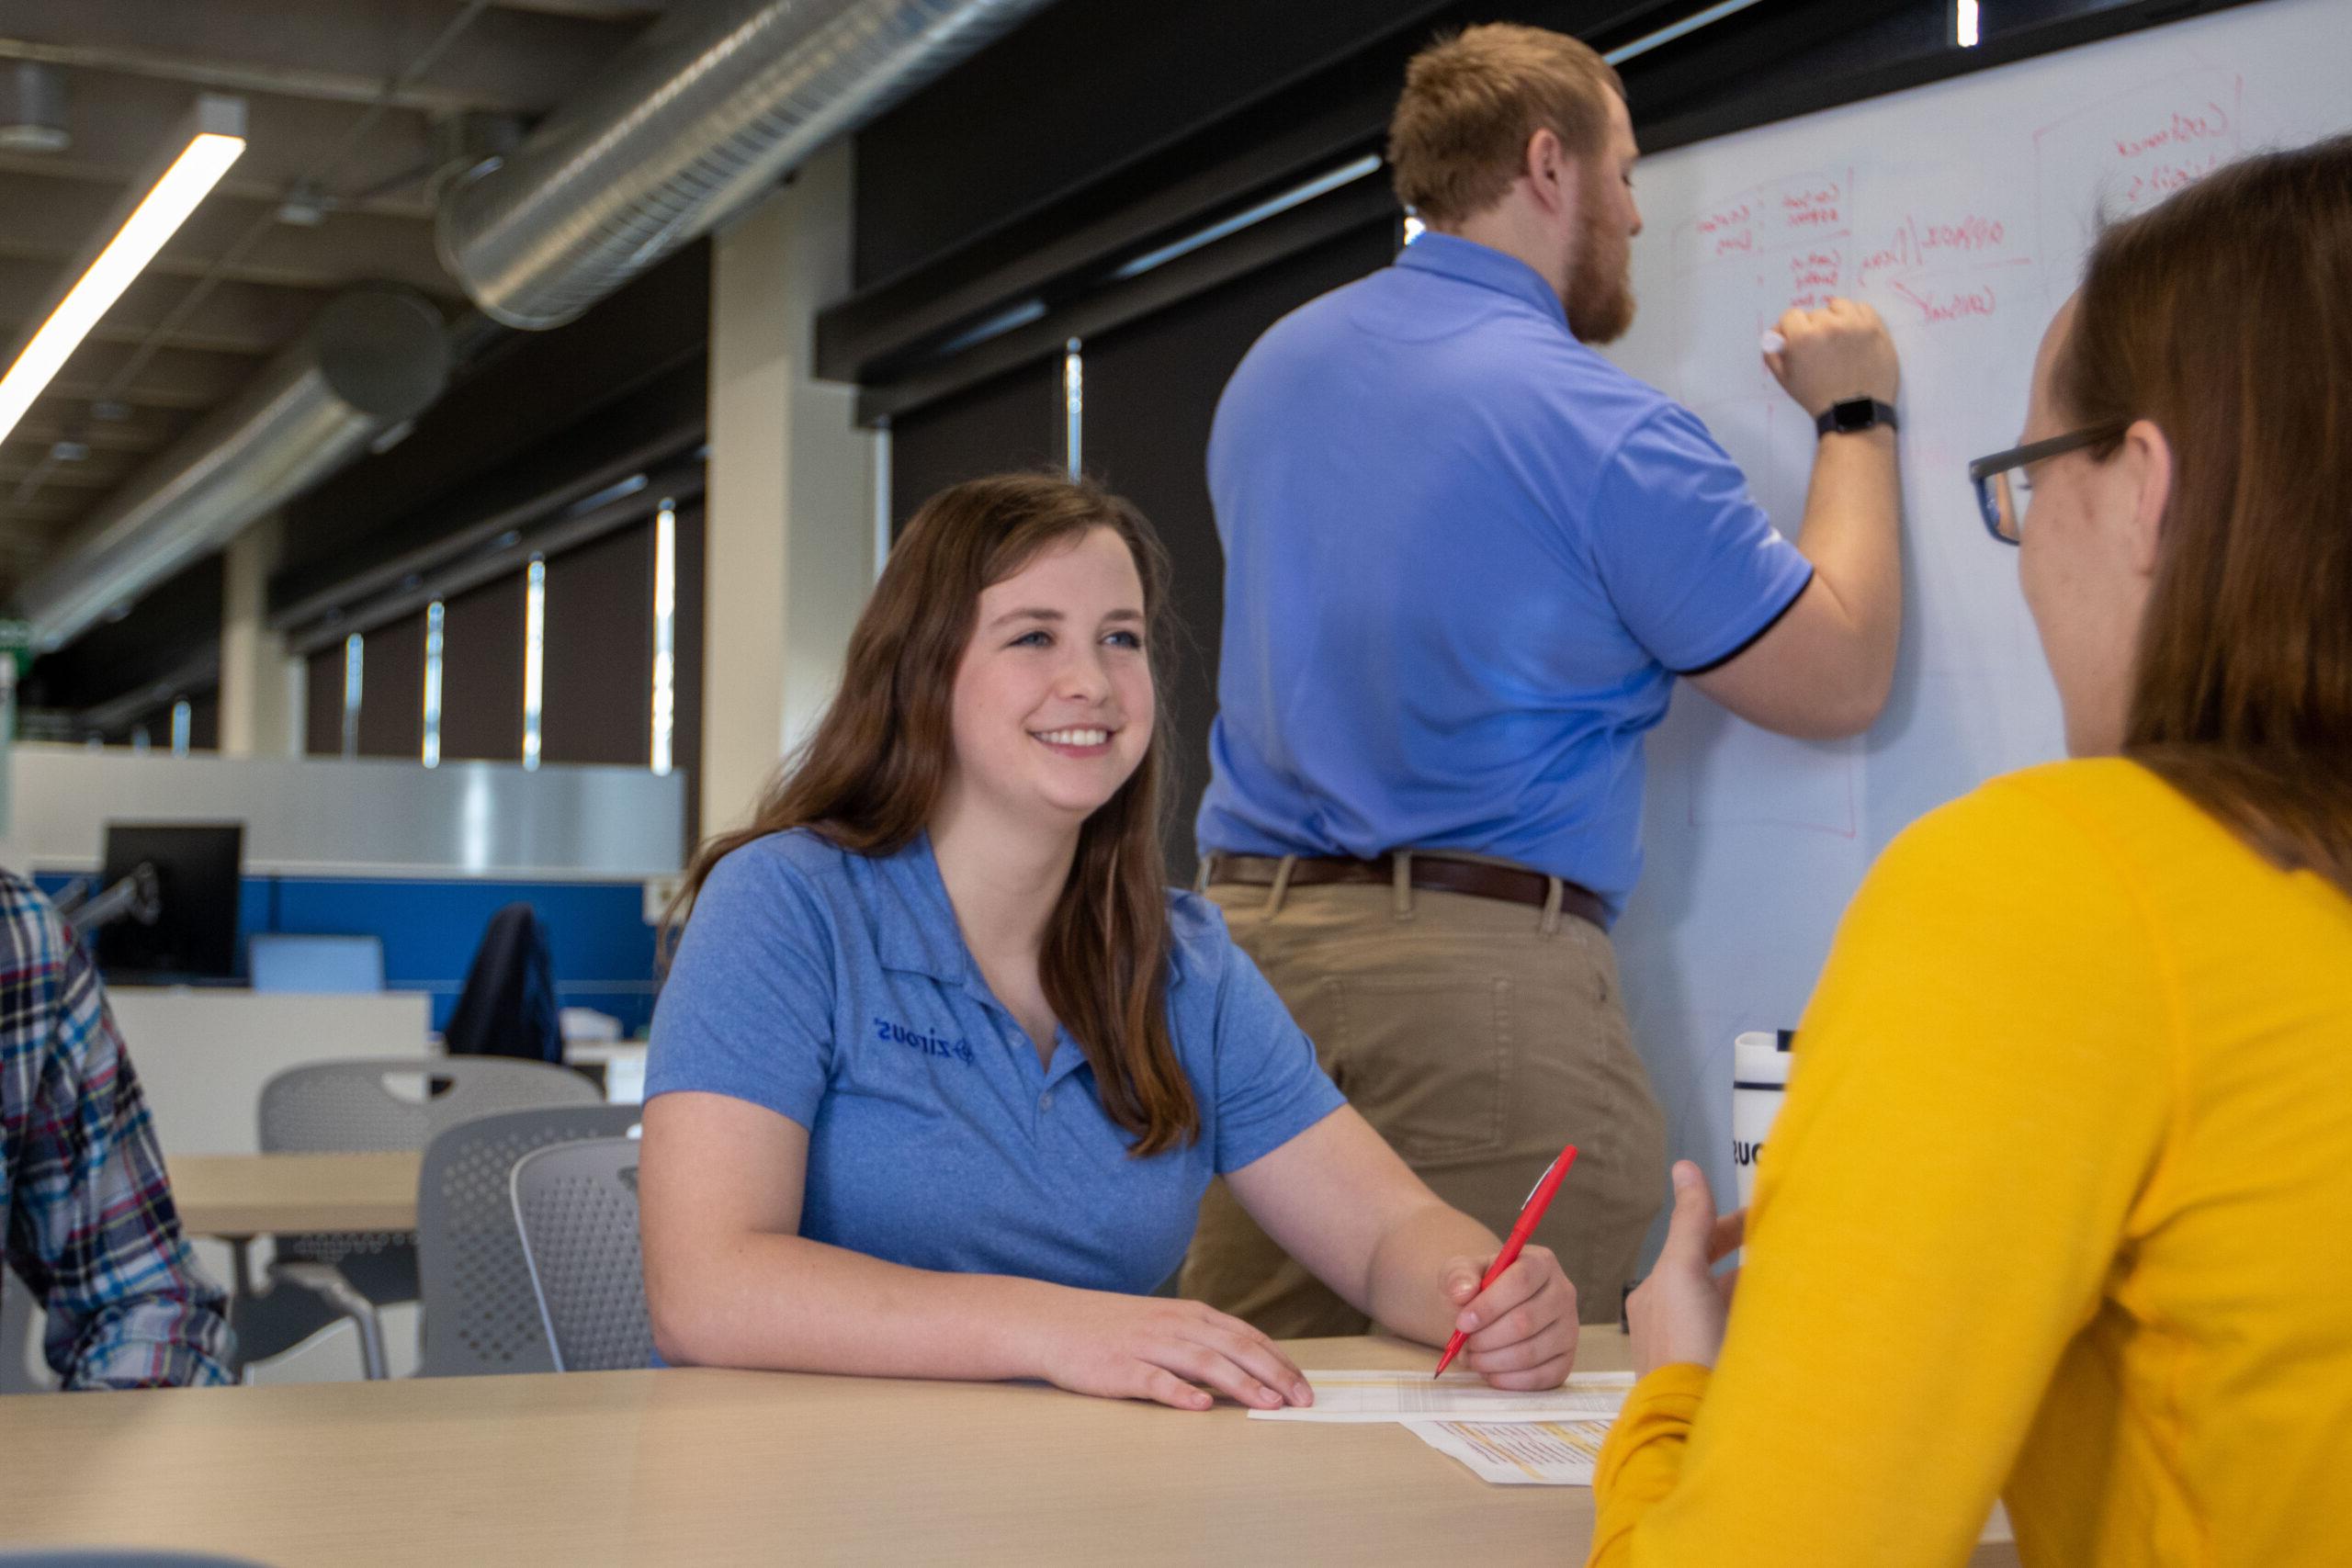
pixel 915 1040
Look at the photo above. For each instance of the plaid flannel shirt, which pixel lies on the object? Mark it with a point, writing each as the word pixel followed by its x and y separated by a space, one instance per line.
pixel 86 1210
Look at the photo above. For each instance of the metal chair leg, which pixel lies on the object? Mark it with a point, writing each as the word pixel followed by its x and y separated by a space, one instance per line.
pixel 338 1292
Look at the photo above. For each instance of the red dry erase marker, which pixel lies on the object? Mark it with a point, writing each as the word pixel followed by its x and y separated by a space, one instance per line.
pixel 1529 1218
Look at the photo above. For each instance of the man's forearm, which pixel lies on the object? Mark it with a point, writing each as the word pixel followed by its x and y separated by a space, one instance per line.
pixel 1852 535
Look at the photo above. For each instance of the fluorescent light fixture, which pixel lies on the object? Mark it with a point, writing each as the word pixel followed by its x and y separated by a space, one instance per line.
pixel 217 141
pixel 1346 173
pixel 534 640
pixel 1965 21
pixel 1003 322
pixel 1073 402
pixel 1682 28
pixel 881 496
pixel 611 492
pixel 432 684
pixel 355 657
pixel 665 622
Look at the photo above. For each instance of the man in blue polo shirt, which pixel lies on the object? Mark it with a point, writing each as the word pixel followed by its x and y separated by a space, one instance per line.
pixel 1466 557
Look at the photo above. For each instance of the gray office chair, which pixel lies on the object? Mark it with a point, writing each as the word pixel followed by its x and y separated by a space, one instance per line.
pixel 358 1106
pixel 576 1206
pixel 481 1312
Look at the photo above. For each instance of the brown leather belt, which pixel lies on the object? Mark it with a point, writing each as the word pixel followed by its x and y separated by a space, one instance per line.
pixel 1479 880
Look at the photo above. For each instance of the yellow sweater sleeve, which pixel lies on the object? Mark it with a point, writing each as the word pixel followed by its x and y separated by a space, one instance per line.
pixel 1984 1087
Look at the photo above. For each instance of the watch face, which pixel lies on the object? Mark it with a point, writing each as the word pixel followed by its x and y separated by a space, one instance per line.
pixel 1854 413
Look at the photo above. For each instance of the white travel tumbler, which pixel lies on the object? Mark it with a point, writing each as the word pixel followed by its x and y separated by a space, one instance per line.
pixel 1760 1076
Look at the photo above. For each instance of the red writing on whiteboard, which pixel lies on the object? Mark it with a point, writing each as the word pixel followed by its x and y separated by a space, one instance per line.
pixel 2163 179
pixel 1731 216
pixel 1938 306
pixel 2209 124
pixel 1813 277
pixel 1917 244
pixel 1970 233
pixel 1813 207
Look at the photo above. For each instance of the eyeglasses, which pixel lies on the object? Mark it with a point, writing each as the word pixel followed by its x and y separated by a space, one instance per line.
pixel 2003 489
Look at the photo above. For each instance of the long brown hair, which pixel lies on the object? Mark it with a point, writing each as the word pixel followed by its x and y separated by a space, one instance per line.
pixel 871 776
pixel 2224 316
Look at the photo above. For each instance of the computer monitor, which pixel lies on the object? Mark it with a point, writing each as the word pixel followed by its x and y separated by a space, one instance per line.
pixel 331 965
pixel 196 866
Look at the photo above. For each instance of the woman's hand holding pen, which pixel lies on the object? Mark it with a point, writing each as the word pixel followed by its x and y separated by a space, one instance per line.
pixel 1522 1328
pixel 1176 1352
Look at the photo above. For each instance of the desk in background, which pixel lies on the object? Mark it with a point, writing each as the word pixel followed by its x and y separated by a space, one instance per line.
pixel 758 1467
pixel 240 1196
pixel 617 1064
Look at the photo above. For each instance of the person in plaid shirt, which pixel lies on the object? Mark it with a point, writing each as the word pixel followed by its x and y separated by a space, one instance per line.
pixel 86 1210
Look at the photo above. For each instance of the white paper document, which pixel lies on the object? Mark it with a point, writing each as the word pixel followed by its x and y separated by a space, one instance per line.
pixel 1416 1397
pixel 1519 1453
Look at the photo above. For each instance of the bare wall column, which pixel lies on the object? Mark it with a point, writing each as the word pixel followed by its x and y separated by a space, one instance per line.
pixel 257 696
pixel 787 529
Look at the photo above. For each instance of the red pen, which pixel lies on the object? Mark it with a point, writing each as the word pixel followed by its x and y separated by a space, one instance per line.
pixel 1529 1218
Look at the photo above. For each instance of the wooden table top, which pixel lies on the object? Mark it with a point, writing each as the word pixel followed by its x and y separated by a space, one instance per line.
pixel 715 1467
pixel 242 1195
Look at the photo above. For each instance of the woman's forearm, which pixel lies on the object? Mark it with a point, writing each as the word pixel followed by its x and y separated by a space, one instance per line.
pixel 788 1303
pixel 1407 1274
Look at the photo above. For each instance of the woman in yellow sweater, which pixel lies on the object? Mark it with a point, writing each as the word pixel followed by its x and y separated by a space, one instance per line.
pixel 2057 1207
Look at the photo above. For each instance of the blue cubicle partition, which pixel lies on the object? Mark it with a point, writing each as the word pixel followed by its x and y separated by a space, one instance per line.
pixel 419 857
pixel 603 950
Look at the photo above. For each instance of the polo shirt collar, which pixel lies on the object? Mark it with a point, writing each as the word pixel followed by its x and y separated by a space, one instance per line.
pixel 929 942
pixel 1451 255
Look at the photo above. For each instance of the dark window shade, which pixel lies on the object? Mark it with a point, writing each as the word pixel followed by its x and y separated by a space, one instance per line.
pixel 685 651
pixel 391 690
pixel 322 704
pixel 1091 86
pixel 596 674
pixel 204 721
pixel 481 673
pixel 1151 392
pixel 1015 421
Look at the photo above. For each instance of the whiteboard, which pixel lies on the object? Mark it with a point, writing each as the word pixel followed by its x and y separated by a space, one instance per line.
pixel 1962 212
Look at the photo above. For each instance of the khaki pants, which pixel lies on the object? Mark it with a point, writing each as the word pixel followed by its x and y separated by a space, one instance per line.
pixel 1478 1042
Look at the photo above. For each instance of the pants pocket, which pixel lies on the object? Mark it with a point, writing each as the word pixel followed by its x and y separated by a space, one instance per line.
pixel 1425 1059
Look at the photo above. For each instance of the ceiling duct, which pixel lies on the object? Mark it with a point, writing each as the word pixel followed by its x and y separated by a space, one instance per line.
pixel 374 356
pixel 698 119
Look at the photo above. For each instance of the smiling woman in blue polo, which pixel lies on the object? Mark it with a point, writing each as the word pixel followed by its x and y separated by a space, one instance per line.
pixel 943 1068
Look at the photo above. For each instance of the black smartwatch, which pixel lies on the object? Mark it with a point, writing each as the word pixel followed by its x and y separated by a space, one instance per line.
pixel 1850 414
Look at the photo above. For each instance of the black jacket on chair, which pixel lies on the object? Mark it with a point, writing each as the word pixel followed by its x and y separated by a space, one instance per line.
pixel 508 1006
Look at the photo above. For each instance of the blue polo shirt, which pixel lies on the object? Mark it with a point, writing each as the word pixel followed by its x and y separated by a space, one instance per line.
pixel 835 989
pixel 1464 557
